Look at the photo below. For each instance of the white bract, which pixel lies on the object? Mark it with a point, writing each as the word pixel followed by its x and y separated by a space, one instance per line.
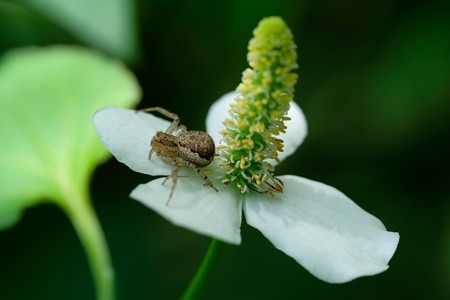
pixel 317 225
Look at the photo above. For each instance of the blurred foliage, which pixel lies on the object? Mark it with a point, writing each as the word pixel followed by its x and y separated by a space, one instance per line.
pixel 106 24
pixel 375 87
pixel 48 97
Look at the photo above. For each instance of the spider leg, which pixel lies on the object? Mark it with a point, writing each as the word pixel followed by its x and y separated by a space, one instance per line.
pixel 168 114
pixel 150 154
pixel 176 168
pixel 206 180
pixel 166 178
pixel 181 129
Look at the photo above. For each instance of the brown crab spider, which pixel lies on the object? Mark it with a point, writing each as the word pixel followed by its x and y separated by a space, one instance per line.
pixel 193 149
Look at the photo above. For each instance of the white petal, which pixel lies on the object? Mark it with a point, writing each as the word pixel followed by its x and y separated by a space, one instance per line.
pixel 296 131
pixel 127 135
pixel 195 207
pixel 217 113
pixel 322 230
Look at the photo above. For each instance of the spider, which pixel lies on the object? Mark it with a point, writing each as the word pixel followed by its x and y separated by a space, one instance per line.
pixel 193 149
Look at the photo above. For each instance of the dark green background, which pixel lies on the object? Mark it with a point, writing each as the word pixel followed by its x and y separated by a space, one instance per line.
pixel 375 87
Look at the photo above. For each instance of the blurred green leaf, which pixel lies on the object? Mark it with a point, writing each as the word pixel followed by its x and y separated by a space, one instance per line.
pixel 106 24
pixel 47 99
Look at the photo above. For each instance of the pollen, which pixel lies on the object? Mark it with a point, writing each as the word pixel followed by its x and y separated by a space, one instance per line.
pixel 227 122
pixel 248 143
pixel 242 164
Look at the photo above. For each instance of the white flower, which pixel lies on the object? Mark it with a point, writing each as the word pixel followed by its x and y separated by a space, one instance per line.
pixel 317 225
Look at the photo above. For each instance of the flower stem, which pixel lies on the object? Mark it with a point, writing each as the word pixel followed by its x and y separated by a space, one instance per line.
pixel 203 271
pixel 77 206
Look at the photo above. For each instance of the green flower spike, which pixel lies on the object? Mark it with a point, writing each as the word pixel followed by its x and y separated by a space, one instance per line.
pixel 259 112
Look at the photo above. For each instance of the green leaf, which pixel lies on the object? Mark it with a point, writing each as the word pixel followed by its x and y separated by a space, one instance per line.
pixel 106 24
pixel 47 99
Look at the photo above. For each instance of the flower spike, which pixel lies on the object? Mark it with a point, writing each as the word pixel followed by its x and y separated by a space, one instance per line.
pixel 259 112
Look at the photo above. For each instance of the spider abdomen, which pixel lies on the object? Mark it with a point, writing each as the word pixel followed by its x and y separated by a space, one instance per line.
pixel 196 147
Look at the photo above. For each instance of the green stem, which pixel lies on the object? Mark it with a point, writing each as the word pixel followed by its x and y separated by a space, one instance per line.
pixel 78 207
pixel 203 271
